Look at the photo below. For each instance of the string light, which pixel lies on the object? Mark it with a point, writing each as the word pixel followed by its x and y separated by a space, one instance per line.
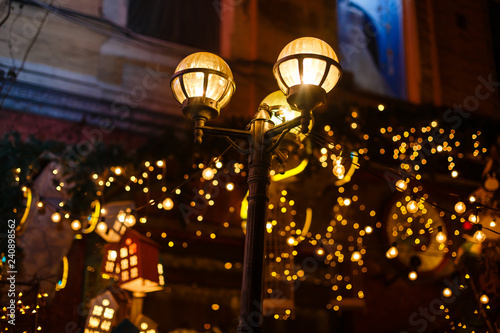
pixel 484 299
pixel 447 292
pixel 479 235
pixel 401 185
pixel 441 236
pixel 412 275
pixel 460 207
pixel 412 206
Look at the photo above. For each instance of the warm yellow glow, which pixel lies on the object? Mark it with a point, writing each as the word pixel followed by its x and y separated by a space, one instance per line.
pixel 94 218
pixel 76 225
pixel 229 186
pixel 29 199
pixel 208 173
pixel 320 251
pixel 412 206
pixel 215 307
pixel 479 236
pixel 441 237
pixel 368 229
pixel 56 217
pixel 356 256
pixel 460 207
pixel 412 275
pixel 290 240
pixel 168 204
pixel 392 252
pixel 292 172
pixel 473 218
pixel 64 278
pixel 288 72
pixel 447 292
pixel 401 185
pixel 484 299
pixel 130 221
pixel 220 85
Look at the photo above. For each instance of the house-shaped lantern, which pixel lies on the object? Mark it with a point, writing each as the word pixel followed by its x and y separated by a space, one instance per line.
pixel 137 261
pixel 113 220
pixel 102 313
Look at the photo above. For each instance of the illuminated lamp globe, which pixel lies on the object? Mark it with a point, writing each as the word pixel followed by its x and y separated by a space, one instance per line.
pixel 460 207
pixel 203 84
pixel 306 70
pixel 447 292
pixel 281 112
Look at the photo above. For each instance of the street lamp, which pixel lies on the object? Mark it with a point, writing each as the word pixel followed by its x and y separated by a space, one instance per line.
pixel 306 70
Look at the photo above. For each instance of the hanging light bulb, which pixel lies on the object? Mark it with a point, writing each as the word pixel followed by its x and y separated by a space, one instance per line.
pixel 447 292
pixel 441 236
pixel 484 299
pixel 356 256
pixel 460 207
pixel 472 198
pixel 479 235
pixel 392 252
pixel 208 173
pixel 56 217
pixel 401 185
pixel 290 241
pixel 339 169
pixel 412 206
pixel 168 204
pixel 76 225
pixel 473 218
pixel 412 275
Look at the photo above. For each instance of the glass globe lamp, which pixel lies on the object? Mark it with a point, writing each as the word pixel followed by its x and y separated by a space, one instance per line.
pixel 306 70
pixel 203 84
pixel 281 112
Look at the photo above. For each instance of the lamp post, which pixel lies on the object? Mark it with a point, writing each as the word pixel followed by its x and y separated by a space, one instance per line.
pixel 306 70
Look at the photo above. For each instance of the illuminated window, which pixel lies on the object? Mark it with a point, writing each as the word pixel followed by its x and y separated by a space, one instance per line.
pixel 97 310
pixel 124 263
pixel 133 261
pixel 109 313
pixel 123 252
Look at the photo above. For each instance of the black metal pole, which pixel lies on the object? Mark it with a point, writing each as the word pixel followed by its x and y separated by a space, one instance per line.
pixel 251 317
